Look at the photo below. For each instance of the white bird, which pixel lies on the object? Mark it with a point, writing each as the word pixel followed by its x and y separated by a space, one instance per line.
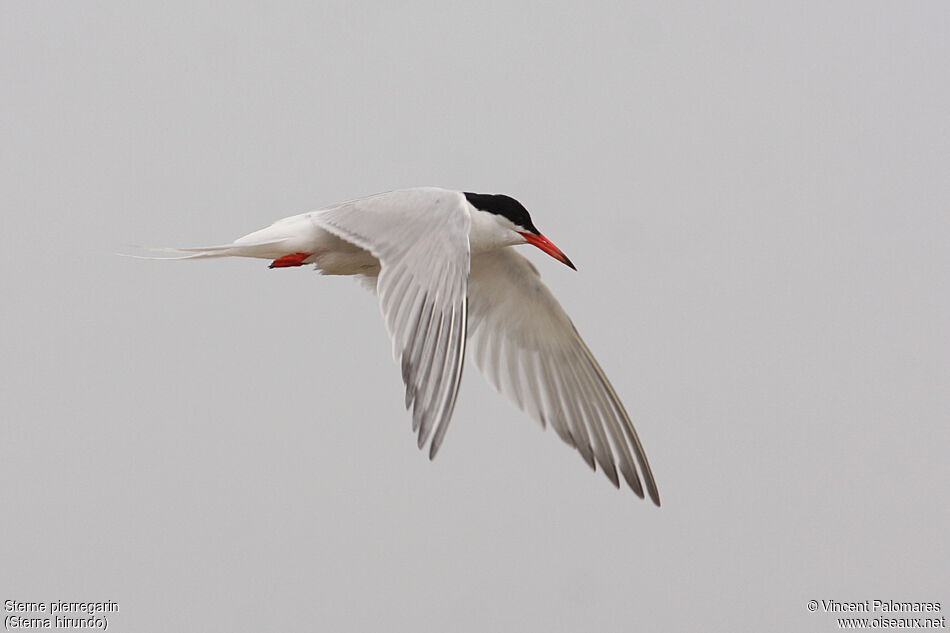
pixel 439 262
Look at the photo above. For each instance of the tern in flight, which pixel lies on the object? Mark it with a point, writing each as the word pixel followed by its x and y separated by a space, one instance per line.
pixel 440 263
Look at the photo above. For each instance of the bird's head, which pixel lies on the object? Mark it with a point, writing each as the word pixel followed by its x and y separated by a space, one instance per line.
pixel 512 219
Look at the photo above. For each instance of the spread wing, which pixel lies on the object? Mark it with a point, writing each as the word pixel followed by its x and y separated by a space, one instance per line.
pixel 420 237
pixel 528 349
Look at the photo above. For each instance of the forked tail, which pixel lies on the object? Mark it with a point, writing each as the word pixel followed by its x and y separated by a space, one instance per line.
pixel 265 250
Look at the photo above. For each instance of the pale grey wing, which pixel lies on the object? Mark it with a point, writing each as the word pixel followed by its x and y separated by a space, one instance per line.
pixel 420 237
pixel 528 349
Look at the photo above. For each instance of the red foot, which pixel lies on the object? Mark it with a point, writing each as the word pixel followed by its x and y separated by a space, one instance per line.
pixel 296 259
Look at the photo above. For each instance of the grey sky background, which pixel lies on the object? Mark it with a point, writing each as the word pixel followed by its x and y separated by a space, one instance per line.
pixel 756 197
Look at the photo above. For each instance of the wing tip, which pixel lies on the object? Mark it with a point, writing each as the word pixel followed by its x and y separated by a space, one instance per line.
pixel 651 489
pixel 611 471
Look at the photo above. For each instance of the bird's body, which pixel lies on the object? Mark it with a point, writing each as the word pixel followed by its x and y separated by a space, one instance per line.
pixel 332 255
pixel 440 263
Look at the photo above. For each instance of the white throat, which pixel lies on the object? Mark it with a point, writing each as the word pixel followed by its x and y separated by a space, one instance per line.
pixel 488 232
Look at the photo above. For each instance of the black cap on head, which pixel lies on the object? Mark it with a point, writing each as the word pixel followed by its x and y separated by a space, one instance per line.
pixel 503 205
